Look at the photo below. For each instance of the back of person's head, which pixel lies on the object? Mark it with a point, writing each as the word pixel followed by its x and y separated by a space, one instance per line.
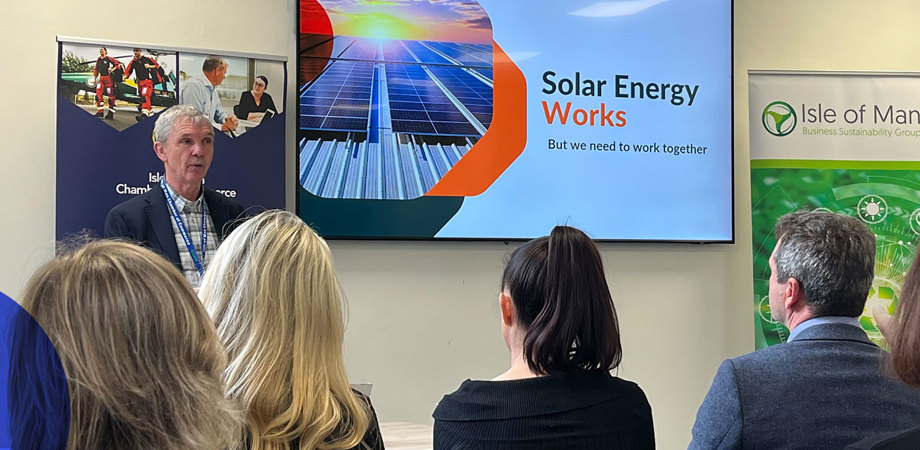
pixel 831 255
pixel 142 358
pixel 274 296
pixel 905 344
pixel 560 294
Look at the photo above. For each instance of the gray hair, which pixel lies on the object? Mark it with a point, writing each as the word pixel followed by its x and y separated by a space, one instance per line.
pixel 164 125
pixel 831 255
pixel 212 62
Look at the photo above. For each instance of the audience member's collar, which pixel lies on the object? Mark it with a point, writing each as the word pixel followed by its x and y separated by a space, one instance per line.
pixel 821 321
pixel 183 203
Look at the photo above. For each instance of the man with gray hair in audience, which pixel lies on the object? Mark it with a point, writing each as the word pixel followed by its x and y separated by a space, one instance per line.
pixel 178 217
pixel 201 92
pixel 826 387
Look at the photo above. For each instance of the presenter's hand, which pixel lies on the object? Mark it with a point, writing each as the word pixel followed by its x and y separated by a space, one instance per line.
pixel 886 322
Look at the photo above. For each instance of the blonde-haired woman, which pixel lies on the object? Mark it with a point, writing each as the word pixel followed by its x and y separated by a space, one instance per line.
pixel 142 359
pixel 274 296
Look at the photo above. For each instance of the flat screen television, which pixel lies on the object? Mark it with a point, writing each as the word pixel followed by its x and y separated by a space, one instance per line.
pixel 499 119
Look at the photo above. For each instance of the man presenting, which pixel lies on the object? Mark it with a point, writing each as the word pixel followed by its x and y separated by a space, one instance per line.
pixel 144 69
pixel 202 93
pixel 824 388
pixel 179 218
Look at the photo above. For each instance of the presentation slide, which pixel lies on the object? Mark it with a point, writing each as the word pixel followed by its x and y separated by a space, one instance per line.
pixel 495 120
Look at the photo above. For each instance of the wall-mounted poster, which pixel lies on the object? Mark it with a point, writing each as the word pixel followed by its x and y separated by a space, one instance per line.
pixel 841 142
pixel 110 96
pixel 491 120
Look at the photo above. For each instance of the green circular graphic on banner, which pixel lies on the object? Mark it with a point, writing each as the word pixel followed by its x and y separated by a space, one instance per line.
pixel 872 208
pixel 779 118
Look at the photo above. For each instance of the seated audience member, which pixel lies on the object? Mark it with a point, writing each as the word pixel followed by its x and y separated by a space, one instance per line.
pixel 142 358
pixel 559 322
pixel 824 387
pixel 904 338
pixel 254 103
pixel 274 296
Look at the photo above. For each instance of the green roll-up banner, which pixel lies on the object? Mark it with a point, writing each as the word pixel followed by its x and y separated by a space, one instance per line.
pixel 845 142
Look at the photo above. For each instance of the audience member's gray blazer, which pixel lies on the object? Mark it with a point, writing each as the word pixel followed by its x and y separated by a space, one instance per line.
pixel 824 389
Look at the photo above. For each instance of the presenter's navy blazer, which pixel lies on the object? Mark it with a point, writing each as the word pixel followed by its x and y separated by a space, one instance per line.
pixel 146 219
pixel 827 388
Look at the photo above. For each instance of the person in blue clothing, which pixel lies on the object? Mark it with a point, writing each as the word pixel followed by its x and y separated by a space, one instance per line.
pixel 824 387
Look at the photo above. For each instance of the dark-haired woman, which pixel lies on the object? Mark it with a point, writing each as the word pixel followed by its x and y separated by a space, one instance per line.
pixel 254 103
pixel 903 336
pixel 560 324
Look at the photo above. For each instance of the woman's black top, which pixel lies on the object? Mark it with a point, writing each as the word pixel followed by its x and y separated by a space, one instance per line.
pixel 248 104
pixel 585 410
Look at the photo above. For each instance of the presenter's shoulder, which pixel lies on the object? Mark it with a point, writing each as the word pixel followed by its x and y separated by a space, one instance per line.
pixel 124 219
pixel 135 203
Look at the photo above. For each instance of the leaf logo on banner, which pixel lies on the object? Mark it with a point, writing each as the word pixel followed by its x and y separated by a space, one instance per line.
pixel 779 118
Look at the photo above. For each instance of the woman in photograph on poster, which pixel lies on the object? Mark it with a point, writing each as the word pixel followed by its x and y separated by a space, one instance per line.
pixel 256 102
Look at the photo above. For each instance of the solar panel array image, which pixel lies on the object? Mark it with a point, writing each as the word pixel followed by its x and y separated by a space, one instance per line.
pixel 340 98
pixel 471 54
pixel 400 114
pixel 472 93
pixel 419 106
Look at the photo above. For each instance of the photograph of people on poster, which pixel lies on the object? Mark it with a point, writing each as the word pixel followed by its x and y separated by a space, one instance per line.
pixel 119 85
pixel 236 93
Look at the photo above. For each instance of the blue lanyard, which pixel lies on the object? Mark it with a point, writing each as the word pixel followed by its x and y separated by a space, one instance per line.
pixel 183 230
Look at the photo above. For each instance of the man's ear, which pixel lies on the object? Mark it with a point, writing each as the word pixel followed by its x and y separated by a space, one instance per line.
pixel 507 307
pixel 794 295
pixel 160 150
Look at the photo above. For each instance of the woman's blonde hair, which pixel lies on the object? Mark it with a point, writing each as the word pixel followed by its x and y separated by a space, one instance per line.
pixel 142 358
pixel 275 298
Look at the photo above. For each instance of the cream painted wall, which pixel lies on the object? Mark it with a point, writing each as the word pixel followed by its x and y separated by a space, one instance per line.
pixel 423 315
pixel 28 67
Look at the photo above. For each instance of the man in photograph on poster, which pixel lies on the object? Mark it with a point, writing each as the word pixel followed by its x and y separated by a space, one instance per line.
pixel 104 73
pixel 202 93
pixel 178 217
pixel 144 69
